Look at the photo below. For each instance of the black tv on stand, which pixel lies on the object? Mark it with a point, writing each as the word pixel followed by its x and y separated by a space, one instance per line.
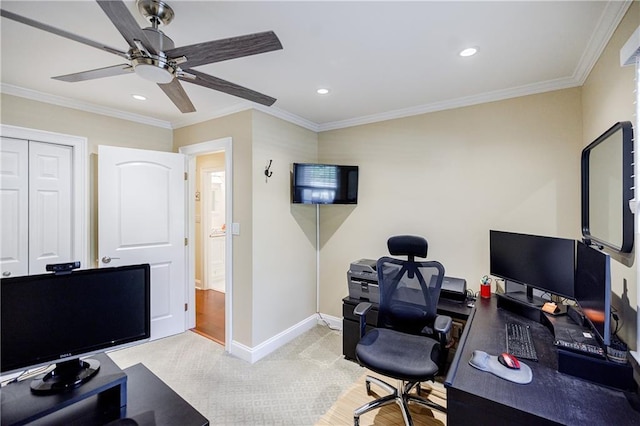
pixel 61 318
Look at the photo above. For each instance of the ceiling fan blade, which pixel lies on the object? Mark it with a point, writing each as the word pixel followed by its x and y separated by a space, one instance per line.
pixel 228 48
pixel 178 96
pixel 215 83
pixel 61 33
pixel 125 23
pixel 97 73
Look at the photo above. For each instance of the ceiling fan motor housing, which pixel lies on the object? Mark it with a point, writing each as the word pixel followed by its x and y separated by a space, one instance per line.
pixel 158 40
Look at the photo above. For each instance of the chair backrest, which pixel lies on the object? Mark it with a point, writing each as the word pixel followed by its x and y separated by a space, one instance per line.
pixel 409 289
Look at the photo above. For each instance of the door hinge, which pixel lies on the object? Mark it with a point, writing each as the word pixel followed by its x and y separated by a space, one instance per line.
pixel 186 175
pixel 186 307
pixel 186 241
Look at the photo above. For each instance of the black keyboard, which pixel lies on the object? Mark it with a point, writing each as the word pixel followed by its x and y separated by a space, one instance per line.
pixel 519 341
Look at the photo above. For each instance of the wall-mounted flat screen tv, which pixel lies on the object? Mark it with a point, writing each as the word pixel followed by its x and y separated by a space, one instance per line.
pixel 324 184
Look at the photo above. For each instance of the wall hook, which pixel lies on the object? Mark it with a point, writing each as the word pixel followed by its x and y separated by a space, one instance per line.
pixel 267 172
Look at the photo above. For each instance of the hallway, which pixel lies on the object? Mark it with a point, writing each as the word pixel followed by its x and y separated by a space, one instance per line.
pixel 210 314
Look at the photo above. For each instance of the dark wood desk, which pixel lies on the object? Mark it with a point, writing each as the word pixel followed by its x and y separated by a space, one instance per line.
pixel 480 398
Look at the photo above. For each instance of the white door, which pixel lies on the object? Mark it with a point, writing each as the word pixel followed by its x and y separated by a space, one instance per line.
pixel 14 207
pixel 141 219
pixel 37 206
pixel 50 201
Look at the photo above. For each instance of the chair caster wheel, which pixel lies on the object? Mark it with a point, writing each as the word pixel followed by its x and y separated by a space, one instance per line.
pixel 368 385
pixel 356 421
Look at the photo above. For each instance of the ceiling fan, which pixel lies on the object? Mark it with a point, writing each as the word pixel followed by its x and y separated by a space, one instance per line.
pixel 153 56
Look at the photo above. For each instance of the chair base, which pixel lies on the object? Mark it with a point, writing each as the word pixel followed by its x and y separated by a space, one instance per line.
pixel 399 395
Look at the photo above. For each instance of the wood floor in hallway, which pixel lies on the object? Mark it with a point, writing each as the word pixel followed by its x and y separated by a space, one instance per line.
pixel 210 314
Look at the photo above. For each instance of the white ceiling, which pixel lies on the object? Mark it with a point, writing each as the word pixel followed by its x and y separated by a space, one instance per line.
pixel 379 59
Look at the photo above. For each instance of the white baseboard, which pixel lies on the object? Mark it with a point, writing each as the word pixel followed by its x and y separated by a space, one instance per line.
pixel 265 348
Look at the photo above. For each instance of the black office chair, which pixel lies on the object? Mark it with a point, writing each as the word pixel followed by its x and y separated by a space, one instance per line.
pixel 409 342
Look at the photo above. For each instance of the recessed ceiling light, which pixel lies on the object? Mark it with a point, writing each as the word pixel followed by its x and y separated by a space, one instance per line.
pixel 139 97
pixel 469 51
pixel 322 91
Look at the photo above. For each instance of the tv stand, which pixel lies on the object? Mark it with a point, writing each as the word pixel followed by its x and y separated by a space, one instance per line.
pixel 65 376
pixel 21 406
pixel 114 396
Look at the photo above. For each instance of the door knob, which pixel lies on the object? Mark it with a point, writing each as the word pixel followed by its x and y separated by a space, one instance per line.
pixel 107 259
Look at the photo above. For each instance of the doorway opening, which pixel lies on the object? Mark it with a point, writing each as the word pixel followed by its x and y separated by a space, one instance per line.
pixel 210 292
pixel 211 229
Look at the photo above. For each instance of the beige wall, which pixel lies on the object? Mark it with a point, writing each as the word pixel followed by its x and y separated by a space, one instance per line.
pixel 239 128
pixel 451 176
pixel 608 96
pixel 274 255
pixel 284 234
pixel 98 129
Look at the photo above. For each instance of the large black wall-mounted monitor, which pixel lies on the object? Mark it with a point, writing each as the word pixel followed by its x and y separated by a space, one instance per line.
pixel 544 263
pixel 607 188
pixel 593 289
pixel 57 319
pixel 324 184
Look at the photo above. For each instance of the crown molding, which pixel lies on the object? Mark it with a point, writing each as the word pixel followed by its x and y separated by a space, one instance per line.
pixel 287 116
pixel 83 106
pixel 201 117
pixel 498 95
pixel 611 17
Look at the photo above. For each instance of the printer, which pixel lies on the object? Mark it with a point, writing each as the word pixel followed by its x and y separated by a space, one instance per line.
pixel 454 289
pixel 362 278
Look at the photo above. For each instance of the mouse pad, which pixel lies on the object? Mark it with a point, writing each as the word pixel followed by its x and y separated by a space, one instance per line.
pixel 485 362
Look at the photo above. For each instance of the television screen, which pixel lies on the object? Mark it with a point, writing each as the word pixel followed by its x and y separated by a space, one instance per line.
pixel 593 289
pixel 546 263
pixel 324 184
pixel 52 318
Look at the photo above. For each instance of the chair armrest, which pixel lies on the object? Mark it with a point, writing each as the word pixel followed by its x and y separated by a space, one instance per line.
pixel 362 308
pixel 442 324
pixel 361 311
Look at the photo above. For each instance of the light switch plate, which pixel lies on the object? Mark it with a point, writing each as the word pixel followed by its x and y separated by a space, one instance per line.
pixel 235 228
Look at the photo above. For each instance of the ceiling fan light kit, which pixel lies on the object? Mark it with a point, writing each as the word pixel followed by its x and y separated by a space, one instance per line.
pixel 153 56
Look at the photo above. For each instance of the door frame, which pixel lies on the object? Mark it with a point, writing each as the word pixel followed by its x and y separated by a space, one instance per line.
pixel 192 151
pixel 80 189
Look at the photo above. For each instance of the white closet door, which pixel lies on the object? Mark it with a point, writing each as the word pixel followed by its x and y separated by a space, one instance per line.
pixel 14 207
pixel 50 203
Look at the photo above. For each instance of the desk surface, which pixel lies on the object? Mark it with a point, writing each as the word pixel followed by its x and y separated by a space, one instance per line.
pixel 551 398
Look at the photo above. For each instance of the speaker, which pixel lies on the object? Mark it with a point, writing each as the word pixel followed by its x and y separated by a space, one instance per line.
pixel 597 370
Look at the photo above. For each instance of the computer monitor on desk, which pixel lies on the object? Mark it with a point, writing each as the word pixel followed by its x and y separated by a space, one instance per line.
pixel 543 263
pixel 593 290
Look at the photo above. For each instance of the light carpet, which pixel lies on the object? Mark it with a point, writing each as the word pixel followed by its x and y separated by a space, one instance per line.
pixel 295 385
pixel 341 413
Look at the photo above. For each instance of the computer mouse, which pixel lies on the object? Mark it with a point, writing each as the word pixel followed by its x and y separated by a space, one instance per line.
pixel 509 361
